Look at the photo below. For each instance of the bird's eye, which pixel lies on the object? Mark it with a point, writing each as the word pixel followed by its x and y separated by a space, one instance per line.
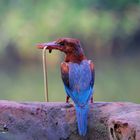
pixel 61 43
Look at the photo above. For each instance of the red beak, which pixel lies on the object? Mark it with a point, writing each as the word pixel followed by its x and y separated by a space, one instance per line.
pixel 49 45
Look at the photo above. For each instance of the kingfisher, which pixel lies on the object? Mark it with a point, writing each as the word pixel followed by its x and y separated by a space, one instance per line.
pixel 78 76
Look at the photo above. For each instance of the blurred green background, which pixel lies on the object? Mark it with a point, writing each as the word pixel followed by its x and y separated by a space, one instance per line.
pixel 108 30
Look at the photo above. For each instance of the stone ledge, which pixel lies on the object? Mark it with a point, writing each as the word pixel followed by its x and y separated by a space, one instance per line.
pixel 56 121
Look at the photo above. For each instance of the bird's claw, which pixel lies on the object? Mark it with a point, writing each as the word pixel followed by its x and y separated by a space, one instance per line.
pixel 68 105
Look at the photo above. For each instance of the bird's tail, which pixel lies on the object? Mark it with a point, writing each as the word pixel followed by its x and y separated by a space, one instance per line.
pixel 81 114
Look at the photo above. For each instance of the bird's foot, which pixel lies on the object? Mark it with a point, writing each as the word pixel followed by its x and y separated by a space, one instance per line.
pixel 68 105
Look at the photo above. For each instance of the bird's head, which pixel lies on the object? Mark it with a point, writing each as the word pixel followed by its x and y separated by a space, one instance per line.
pixel 71 47
pixel 66 45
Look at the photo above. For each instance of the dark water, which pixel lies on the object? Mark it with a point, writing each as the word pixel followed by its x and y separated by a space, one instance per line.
pixel 114 82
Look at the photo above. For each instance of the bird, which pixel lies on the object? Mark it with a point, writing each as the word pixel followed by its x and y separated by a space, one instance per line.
pixel 78 75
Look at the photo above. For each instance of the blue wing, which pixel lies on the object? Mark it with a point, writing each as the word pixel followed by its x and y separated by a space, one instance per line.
pixel 78 81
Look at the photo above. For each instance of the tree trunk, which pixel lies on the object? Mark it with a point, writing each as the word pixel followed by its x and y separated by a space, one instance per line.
pixel 56 121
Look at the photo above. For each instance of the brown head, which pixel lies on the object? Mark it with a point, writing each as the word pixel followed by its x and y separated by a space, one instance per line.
pixel 71 47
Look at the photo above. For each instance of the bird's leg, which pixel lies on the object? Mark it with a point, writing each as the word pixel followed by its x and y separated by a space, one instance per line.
pixel 68 105
pixel 67 99
pixel 91 100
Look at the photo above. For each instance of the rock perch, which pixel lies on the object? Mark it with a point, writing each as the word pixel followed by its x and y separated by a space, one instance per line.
pixel 57 121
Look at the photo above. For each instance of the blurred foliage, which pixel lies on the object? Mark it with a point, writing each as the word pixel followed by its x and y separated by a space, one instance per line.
pixel 108 30
pixel 28 22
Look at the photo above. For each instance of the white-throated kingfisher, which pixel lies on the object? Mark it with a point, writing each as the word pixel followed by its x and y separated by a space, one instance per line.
pixel 78 77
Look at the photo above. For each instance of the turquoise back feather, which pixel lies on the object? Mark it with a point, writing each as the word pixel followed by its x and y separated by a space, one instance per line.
pixel 80 90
